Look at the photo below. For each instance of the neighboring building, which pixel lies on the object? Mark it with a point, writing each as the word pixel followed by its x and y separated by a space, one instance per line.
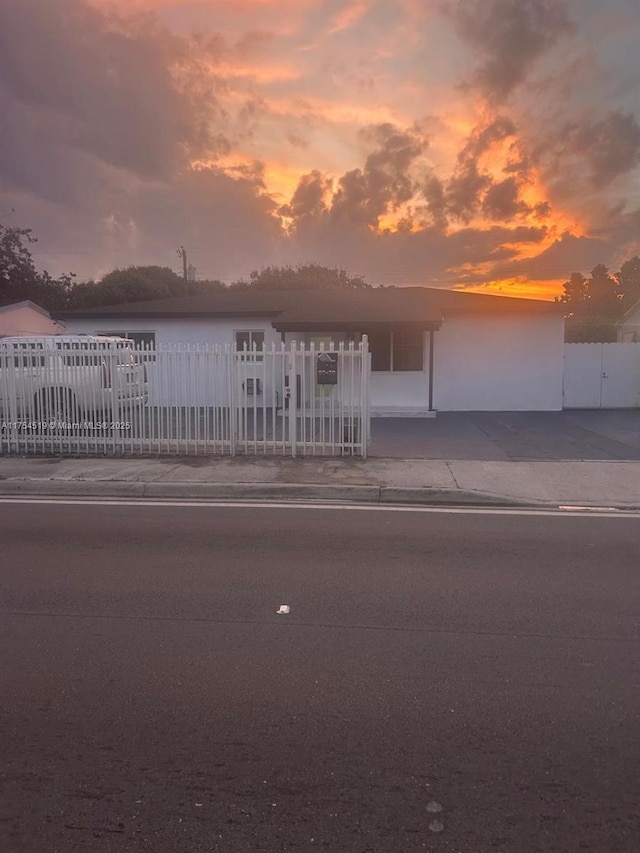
pixel 18 319
pixel 628 328
pixel 431 349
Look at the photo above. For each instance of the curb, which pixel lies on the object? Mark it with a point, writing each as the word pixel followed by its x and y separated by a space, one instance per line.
pixel 258 492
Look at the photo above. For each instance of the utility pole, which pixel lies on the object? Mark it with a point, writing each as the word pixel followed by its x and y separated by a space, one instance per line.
pixel 182 253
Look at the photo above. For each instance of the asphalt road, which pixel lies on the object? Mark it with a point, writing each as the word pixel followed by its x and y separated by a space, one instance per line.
pixel 444 682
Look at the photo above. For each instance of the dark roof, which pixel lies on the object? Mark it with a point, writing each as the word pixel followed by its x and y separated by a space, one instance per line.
pixel 463 302
pixel 291 310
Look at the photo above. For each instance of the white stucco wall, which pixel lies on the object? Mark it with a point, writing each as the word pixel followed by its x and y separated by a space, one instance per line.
pixel 508 363
pixel 199 382
pixel 181 331
pixel 24 320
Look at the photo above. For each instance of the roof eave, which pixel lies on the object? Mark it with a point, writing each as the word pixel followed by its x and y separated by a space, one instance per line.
pixel 160 315
pixel 352 325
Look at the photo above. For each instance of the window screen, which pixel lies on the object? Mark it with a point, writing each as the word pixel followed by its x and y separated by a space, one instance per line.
pixel 408 349
pixel 380 349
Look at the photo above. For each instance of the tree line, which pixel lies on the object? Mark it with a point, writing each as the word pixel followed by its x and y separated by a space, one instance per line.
pixel 593 304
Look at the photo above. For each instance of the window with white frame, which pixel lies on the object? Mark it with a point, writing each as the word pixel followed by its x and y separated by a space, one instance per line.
pixel 250 339
pixel 396 350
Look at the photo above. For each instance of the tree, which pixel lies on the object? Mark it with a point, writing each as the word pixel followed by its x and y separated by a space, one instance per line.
pixel 137 284
pixel 629 282
pixel 575 293
pixel 604 299
pixel 594 305
pixel 19 278
pixel 302 277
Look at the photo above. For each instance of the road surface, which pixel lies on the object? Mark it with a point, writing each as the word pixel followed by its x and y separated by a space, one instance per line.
pixel 444 681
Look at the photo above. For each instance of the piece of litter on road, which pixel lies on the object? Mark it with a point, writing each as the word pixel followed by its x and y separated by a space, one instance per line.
pixel 436 826
pixel 434 807
pixel 284 608
pixel 198 805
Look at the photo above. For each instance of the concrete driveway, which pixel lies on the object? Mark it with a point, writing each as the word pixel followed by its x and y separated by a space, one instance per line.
pixel 495 436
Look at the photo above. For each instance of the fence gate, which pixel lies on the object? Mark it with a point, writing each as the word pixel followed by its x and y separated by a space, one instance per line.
pixel 98 398
pixel 602 376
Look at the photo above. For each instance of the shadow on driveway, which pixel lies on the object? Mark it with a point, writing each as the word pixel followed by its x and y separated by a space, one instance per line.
pixel 495 436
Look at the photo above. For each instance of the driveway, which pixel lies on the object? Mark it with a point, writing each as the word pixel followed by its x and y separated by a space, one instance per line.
pixel 495 436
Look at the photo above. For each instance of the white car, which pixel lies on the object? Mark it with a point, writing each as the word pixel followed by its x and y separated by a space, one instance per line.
pixel 67 378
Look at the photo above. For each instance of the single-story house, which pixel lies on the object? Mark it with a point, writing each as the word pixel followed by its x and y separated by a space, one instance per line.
pixel 25 318
pixel 432 349
pixel 628 327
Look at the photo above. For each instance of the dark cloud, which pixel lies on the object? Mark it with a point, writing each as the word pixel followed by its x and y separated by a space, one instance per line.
pixel 428 256
pixel 297 140
pixel 118 90
pixel 568 254
pixel 464 191
pixel 502 201
pixel 610 146
pixel 471 189
pixel 308 200
pixel 434 193
pixel 228 223
pixel 509 37
pixel 542 210
pixel 481 140
pixel 363 195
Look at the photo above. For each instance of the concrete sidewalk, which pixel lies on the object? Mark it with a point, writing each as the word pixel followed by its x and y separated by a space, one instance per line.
pixel 593 483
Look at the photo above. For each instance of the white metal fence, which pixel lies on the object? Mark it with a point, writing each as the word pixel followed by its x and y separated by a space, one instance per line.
pixel 602 376
pixel 103 400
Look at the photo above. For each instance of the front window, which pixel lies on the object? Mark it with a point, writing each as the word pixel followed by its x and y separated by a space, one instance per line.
pixel 250 340
pixel 396 350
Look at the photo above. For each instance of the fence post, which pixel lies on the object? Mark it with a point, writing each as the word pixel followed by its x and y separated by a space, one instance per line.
pixel 293 398
pixel 232 379
pixel 9 432
pixel 365 420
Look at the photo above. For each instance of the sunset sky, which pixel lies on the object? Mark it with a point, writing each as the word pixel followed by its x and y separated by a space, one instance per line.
pixel 488 144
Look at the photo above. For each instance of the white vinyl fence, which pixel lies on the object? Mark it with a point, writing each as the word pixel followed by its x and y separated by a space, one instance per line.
pixel 184 400
pixel 602 376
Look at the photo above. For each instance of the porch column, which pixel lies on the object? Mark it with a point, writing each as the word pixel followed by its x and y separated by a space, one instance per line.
pixel 431 348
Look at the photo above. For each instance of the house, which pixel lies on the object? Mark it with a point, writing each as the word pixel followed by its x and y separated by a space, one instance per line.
pixel 25 318
pixel 431 349
pixel 628 327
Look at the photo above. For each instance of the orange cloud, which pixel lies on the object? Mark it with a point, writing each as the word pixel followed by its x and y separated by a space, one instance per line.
pixel 348 16
pixel 263 73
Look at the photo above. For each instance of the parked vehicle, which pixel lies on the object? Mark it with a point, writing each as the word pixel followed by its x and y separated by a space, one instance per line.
pixel 67 378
